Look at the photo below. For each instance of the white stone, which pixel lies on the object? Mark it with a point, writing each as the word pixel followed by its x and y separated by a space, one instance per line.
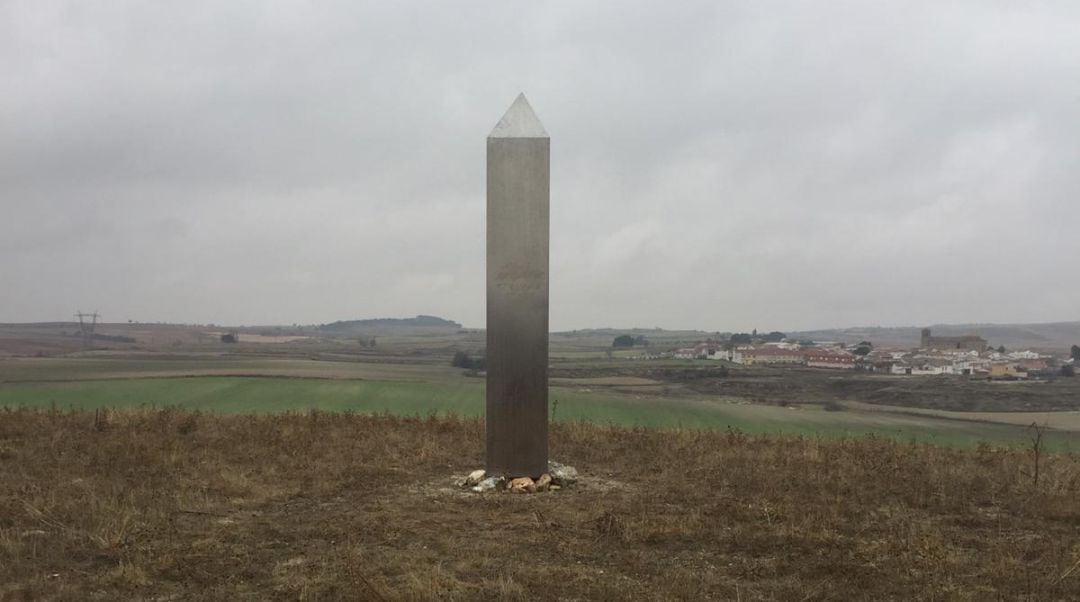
pixel 561 474
pixel 488 484
pixel 474 478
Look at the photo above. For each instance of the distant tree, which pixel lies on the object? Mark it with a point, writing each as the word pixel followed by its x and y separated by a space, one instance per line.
pixel 741 338
pixel 863 348
pixel 229 337
pixel 774 337
pixel 623 340
pixel 462 359
pixel 1068 370
pixel 1001 349
pixel 1075 352
pixel 366 342
pixel 641 341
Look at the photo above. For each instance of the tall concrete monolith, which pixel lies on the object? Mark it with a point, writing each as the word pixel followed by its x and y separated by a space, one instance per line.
pixel 518 153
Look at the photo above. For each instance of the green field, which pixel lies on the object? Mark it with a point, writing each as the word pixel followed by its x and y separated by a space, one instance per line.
pixel 464 396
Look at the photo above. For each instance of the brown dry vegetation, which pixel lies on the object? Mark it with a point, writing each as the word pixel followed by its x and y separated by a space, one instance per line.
pixel 165 505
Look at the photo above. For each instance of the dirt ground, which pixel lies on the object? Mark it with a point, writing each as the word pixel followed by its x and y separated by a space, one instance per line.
pixel 166 505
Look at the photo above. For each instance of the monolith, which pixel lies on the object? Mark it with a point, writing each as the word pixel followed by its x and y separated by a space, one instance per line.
pixel 518 161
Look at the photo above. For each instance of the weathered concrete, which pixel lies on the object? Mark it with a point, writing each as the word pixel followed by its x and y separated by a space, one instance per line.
pixel 518 159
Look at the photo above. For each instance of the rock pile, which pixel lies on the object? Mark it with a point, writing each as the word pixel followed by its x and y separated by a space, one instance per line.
pixel 557 477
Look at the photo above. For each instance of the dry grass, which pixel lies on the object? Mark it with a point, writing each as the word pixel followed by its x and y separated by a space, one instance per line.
pixel 166 505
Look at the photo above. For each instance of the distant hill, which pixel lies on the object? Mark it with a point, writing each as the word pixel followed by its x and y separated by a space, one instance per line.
pixel 590 338
pixel 1051 336
pixel 381 324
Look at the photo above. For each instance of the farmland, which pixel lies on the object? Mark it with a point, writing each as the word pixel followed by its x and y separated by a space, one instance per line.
pixel 409 373
pixel 236 385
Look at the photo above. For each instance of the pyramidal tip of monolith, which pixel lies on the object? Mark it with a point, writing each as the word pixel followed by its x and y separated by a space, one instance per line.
pixel 519 121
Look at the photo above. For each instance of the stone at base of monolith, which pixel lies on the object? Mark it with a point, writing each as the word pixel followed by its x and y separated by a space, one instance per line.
pixel 543 482
pixel 474 478
pixel 488 484
pixel 558 476
pixel 561 474
pixel 522 485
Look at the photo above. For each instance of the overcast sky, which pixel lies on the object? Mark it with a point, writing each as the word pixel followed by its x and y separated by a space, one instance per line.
pixel 715 165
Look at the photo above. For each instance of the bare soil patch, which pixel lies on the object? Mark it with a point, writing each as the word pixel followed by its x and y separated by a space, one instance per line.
pixel 606 381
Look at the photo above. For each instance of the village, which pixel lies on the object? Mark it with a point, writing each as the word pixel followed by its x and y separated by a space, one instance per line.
pixel 969 355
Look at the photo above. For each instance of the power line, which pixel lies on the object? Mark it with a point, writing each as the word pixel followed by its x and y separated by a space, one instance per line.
pixel 87 323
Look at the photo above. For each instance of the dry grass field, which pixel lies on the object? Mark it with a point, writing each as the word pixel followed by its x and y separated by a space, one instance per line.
pixel 168 505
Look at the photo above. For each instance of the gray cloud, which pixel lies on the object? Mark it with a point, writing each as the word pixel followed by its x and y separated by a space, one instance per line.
pixel 724 166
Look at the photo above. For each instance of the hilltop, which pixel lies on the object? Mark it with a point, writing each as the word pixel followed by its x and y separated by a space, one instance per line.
pixel 173 505
pixel 377 324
